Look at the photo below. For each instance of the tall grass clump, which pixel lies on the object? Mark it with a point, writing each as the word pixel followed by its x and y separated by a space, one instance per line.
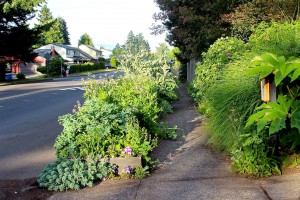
pixel 230 101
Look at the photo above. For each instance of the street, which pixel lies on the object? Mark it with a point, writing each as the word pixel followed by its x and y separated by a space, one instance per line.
pixel 29 126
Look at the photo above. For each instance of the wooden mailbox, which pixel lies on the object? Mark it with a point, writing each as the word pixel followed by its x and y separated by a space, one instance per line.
pixel 268 89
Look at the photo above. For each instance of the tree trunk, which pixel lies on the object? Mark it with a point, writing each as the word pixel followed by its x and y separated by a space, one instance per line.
pixel 2 72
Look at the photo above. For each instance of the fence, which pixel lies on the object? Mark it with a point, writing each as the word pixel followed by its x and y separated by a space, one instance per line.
pixel 191 66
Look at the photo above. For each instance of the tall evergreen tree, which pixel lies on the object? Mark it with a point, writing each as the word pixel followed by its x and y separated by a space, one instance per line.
pixel 53 30
pixel 64 30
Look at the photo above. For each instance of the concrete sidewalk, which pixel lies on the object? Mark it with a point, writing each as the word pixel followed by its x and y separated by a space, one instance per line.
pixel 189 170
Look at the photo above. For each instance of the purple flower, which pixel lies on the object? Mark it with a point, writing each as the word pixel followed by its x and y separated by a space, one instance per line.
pixel 127 169
pixel 228 54
pixel 127 151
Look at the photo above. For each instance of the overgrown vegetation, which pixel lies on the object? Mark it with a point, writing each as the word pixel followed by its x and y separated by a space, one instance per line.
pixel 230 97
pixel 118 115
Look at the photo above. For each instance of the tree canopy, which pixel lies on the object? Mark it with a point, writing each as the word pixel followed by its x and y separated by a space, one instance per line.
pixel 135 45
pixel 86 39
pixel 53 30
pixel 193 25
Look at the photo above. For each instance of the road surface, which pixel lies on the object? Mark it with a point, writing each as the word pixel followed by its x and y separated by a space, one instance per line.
pixel 29 126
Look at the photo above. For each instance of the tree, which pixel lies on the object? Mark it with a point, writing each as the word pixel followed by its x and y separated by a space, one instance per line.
pixel 16 38
pixel 193 25
pixel 135 46
pixel 246 17
pixel 53 30
pixel 64 30
pixel 85 39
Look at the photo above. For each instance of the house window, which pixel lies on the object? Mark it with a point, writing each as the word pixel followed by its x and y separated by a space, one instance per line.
pixel 98 53
pixel 68 52
pixel 76 53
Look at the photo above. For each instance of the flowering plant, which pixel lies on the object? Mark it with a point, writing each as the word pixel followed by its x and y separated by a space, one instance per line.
pixel 127 152
pixel 127 170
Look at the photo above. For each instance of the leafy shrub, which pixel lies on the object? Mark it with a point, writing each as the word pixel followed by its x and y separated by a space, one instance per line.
pixel 42 69
pixel 91 130
pixel 74 174
pixel 88 66
pixel 20 76
pixel 56 66
pixel 254 156
pixel 280 117
pixel 278 38
pixel 139 91
pixel 215 61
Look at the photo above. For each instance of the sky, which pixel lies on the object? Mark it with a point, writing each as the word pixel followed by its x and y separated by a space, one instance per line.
pixel 108 22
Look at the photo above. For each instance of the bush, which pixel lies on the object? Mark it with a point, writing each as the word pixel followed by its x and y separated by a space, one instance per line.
pixel 56 66
pixel 42 69
pixel 215 62
pixel 20 76
pixel 88 66
pixel 278 38
pixel 117 114
pixel 74 174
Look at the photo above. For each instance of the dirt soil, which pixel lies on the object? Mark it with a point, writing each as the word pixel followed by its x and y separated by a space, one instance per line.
pixel 28 189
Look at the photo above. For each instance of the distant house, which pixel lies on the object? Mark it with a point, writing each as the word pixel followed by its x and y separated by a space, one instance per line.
pixel 92 51
pixel 70 54
pixel 42 59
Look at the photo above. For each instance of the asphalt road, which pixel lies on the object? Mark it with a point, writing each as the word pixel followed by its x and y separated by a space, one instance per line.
pixel 29 126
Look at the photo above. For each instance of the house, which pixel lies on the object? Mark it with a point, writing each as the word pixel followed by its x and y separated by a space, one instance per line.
pixel 92 51
pixel 42 59
pixel 70 54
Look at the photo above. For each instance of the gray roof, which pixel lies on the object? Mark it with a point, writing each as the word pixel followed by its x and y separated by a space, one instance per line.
pixel 74 48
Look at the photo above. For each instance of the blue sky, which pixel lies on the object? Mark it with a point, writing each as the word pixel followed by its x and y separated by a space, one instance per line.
pixel 108 22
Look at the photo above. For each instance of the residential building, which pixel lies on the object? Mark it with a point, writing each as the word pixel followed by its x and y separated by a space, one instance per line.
pixel 92 51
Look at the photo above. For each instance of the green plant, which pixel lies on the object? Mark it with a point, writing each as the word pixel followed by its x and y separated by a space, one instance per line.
pixel 285 112
pixel 215 63
pixel 74 174
pixel 42 69
pixel 56 66
pixel 91 130
pixel 88 66
pixel 253 157
pixel 281 38
pixel 141 172
pixel 20 76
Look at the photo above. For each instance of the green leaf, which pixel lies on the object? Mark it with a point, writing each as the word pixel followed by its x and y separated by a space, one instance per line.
pixel 254 117
pixel 270 58
pixel 277 125
pixel 295 115
pixel 263 71
pixel 296 74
